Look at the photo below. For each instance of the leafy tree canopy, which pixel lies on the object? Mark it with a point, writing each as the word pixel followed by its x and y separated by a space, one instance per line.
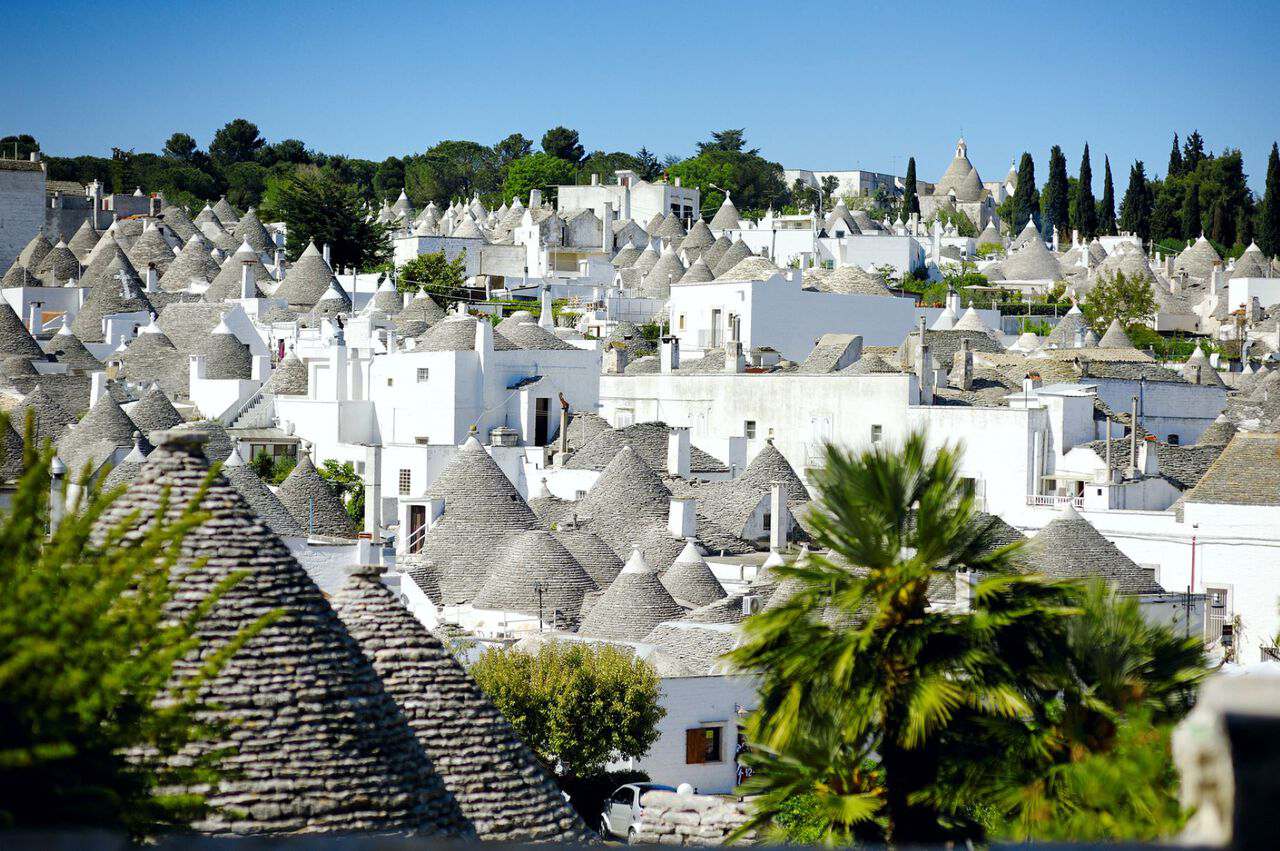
pixel 318 208
pixel 180 146
pixel 236 141
pixel 536 171
pixel 434 273
pixel 561 142
pixel 578 706
pixel 1129 299
pixel 754 182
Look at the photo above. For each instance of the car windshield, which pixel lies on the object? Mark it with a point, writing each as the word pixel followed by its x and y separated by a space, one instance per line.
pixel 655 787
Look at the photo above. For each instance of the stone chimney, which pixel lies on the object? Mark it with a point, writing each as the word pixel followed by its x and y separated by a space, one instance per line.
pixel 778 517
pixel 669 354
pixel 595 180
pixel 606 228
pixel 248 286
pixel 615 360
pixel 373 492
pixel 546 316
pixel 327 256
pixel 280 263
pixel 535 198
pixel 964 364
pixel 682 518
pixel 678 453
pixel 734 361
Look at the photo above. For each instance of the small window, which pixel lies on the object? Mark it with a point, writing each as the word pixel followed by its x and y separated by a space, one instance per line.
pixel 406 481
pixel 749 429
pixel 423 374
pixel 390 382
pixel 877 432
pixel 1173 440
pixel 702 745
pixel 579 495
pixel 680 322
pixel 421 441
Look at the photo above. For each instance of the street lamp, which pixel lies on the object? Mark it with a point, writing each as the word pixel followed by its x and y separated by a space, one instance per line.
pixel 538 588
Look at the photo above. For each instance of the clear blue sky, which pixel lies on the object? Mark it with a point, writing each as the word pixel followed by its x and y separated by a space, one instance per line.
pixel 824 85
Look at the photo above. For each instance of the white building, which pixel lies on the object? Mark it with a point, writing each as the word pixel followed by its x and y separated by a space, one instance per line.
pixel 632 197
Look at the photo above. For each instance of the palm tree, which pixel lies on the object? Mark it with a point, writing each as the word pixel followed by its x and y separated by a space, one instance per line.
pixel 913 725
pixel 861 684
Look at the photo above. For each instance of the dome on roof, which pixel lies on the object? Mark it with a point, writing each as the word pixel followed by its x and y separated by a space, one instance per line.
pixel 969 188
pixel 596 557
pixel 226 284
pixel 668 270
pixel 58 266
pixel 307 280
pixel 672 228
pixel 699 236
pixel 625 257
pixel 50 418
pixel 176 219
pixel 1032 262
pixel 852 280
pixel 1251 264
pixel 972 321
pixel 536 572
pixel 34 251
pixel 632 606
pixel 716 251
pixel 690 580
pixel 646 261
pixel 1197 260
pixel 154 411
pixel 70 351
pixel 1115 337
pixel 250 230
pixel 313 503
pixel 1069 547
pixel 289 378
pixel 697 273
pixel 83 241
pixel 957 170
pixel 225 357
pixel 457 333
pixel 150 248
pixel 226 214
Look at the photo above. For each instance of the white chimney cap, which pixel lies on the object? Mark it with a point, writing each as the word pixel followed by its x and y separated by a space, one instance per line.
pixel 636 564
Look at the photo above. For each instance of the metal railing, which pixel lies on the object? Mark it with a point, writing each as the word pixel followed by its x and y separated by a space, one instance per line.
pixel 1054 501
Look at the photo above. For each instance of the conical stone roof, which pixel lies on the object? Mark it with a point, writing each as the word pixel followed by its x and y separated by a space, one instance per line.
pixel 668 270
pixel 1251 264
pixel 596 557
pixel 734 255
pixel 150 248
pixel 34 251
pixel 193 263
pixel 58 266
pixel 646 261
pixel 770 466
pixel 625 501
pixel 249 229
pixel 289 378
pixel 306 713
pixel 225 356
pixel 1197 260
pixel 313 503
pixel 15 339
pixel 108 296
pixel 699 236
pixel 260 498
pixel 226 284
pixel 1063 335
pixel 226 214
pixel 126 472
pixel 690 580
pixel 177 220
pixel 1070 547
pixel 481 510
pixel 534 560
pixel 105 423
pixel 154 412
pixel 697 273
pixel 498 783
pixel 726 218
pixel 83 241
pixel 715 251
pixel 1115 337
pixel 1218 434
pixel 1032 262
pixel 672 228
pixel 151 356
pixel 626 257
pixel 70 351
pixel 632 606
pixel 50 418
pixel 108 252
pixel 307 280
pixel 853 280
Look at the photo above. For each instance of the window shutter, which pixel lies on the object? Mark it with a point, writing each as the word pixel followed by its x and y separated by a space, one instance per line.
pixel 694 748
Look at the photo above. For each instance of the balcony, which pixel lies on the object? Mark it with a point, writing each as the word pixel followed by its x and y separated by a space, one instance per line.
pixel 1054 501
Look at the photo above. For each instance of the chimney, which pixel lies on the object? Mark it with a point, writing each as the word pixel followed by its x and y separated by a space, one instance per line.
pixel 97 387
pixel 669 354
pixel 965 358
pixel 153 278
pixel 279 264
pixel 248 286
pixel 33 317
pixel 595 180
pixel 197 368
pixel 535 198
pixel 435 510
pixel 606 229
pixel 545 316
pixel 626 201
pixel 260 368
pixel 778 517
pixel 327 255
pixel 1108 436
pixel 1133 439
pixel 373 492
pixel 682 518
pixel 734 362
pixel 615 360
pixel 1079 337
pixel 678 453
pixel 924 372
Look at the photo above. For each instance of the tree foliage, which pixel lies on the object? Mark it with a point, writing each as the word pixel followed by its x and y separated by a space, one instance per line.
pixel 318 208
pixel 1135 207
pixel 1026 200
pixel 1055 202
pixel 754 182
pixel 1269 218
pixel 537 171
pixel 1107 207
pixel 90 712
pixel 1129 299
pixel 181 146
pixel 235 142
pixel 19 146
pixel 896 722
pixel 578 706
pixel 1084 209
pixel 345 481
pixel 910 200
pixel 563 143
pixel 434 273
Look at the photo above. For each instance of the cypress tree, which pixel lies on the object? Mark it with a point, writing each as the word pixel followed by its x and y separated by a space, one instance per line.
pixel 1056 199
pixel 1192 225
pixel 1135 208
pixel 1218 231
pixel 1025 203
pixel 1269 220
pixel 1107 215
pixel 1192 152
pixel 1175 159
pixel 910 202
pixel 1086 210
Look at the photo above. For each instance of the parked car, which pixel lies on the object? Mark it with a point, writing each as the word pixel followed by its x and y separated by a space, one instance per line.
pixel 621 816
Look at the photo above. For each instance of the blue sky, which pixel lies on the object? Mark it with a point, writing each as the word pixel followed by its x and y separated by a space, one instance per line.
pixel 816 85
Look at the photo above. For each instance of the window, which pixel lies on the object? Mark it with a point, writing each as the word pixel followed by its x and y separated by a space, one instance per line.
pixel 423 374
pixel 1173 440
pixel 390 382
pixel 421 441
pixel 876 433
pixel 406 481
pixel 680 322
pixel 702 745
pixel 749 429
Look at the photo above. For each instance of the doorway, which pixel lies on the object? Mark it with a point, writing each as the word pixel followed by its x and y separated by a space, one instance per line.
pixel 417 520
pixel 541 420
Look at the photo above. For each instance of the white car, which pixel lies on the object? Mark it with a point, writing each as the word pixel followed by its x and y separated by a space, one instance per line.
pixel 621 815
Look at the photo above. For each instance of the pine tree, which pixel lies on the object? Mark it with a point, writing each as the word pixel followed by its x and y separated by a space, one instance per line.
pixel 1192 152
pixel 1219 230
pixel 910 201
pixel 1192 225
pixel 1175 159
pixel 1269 217
pixel 1085 219
pixel 1107 215
pixel 1025 203
pixel 1135 208
pixel 1056 200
